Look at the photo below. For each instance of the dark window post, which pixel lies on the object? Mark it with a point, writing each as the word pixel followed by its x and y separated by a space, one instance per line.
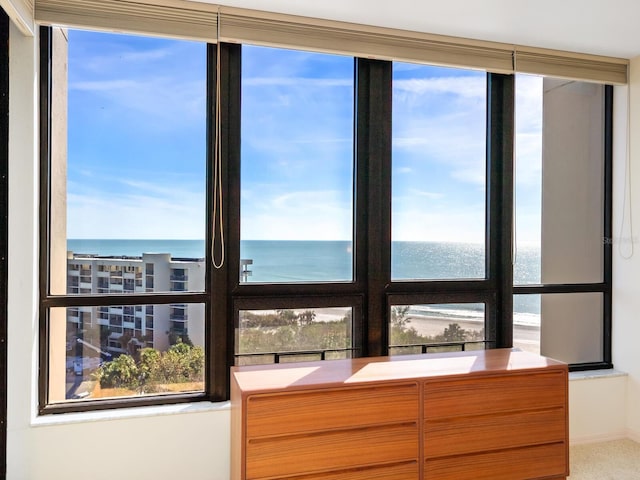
pixel 4 224
pixel 500 138
pixel 225 278
pixel 608 225
pixel 373 197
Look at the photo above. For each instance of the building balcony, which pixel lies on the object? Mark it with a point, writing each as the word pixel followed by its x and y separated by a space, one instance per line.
pixel 178 331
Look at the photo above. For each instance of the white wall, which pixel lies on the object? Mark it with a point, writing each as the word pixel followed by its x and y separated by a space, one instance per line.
pixel 193 441
pixel 597 409
pixel 22 293
pixel 190 442
pixel 626 271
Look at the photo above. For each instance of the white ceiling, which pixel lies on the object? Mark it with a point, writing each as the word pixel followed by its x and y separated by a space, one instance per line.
pixel 604 27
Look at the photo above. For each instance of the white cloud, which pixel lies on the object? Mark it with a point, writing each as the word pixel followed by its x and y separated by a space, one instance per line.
pixel 473 173
pixel 422 193
pixel 453 225
pixel 441 121
pixel 297 82
pixel 161 103
pixel 528 131
pixel 465 86
pixel 140 210
pixel 103 85
pixel 300 215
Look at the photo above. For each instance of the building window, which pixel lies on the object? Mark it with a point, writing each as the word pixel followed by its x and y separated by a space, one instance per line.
pixel 296 205
pixel 127 161
pixel 563 250
pixel 438 173
pixel 367 209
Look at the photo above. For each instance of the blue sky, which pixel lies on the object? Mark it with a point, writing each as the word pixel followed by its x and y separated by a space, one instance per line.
pixel 136 161
pixel 137 126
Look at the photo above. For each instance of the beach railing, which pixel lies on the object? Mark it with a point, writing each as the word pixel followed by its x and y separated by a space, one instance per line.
pixel 294 355
pixel 461 346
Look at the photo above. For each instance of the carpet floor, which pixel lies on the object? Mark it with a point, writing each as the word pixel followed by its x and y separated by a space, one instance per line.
pixel 617 460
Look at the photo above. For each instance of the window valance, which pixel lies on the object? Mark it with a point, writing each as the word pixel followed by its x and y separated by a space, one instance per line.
pixel 208 22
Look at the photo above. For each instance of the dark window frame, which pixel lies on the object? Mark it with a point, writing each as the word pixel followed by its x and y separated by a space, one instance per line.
pixel 372 216
pixel 4 228
pixel 49 301
pixel 372 292
pixel 604 287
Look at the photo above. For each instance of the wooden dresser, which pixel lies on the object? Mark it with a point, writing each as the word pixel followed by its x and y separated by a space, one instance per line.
pixel 495 415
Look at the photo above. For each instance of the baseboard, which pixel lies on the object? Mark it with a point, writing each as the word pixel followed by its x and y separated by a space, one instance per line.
pixel 633 435
pixel 605 437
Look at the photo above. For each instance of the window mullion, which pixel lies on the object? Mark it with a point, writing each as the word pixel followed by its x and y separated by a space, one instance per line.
pixel 373 196
pixel 608 224
pixel 225 278
pixel 500 198
pixel 4 220
pixel 45 166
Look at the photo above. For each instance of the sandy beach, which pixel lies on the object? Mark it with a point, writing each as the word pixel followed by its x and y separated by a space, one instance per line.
pixel 526 338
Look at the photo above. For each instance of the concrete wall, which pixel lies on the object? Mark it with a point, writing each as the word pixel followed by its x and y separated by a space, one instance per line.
pixel 193 441
pixel 572 235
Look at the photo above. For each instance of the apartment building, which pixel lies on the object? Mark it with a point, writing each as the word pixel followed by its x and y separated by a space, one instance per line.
pixel 155 326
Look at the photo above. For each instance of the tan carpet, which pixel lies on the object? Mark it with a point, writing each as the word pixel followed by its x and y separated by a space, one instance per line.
pixel 617 460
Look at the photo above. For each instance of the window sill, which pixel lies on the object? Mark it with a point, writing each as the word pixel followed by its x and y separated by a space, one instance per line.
pixel 128 413
pixel 205 407
pixel 594 374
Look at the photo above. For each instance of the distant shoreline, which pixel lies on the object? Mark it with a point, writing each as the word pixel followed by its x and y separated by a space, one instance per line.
pixel 525 337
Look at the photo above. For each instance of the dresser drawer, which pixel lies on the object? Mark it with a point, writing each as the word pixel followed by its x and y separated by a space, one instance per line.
pixel 405 471
pixel 326 451
pixel 298 412
pixel 538 462
pixel 458 435
pixel 488 395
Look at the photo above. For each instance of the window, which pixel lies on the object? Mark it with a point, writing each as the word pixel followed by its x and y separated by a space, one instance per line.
pixel 127 161
pixel 562 255
pixel 296 201
pixel 331 207
pixel 439 173
pixel 436 328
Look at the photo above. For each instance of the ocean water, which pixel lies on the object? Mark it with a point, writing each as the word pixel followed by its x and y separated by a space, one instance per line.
pixel 318 261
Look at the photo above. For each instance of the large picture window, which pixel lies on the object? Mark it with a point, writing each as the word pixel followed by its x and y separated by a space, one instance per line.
pixel 563 231
pixel 205 206
pixel 439 173
pixel 126 217
pixel 296 201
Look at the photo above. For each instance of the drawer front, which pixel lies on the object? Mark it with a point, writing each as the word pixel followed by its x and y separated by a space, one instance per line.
pixel 405 471
pixel 298 412
pixel 539 462
pixel 458 435
pixel 494 394
pixel 326 451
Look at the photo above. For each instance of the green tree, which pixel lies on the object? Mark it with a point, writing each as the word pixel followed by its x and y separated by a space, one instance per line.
pixel 288 317
pixel 307 317
pixel 454 333
pixel 196 364
pixel 181 363
pixel 399 315
pixel 148 367
pixel 121 372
